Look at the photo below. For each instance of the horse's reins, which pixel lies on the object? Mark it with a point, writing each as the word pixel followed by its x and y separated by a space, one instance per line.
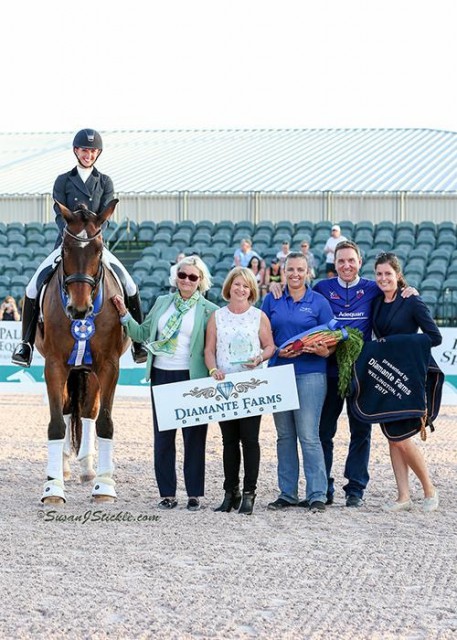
pixel 82 277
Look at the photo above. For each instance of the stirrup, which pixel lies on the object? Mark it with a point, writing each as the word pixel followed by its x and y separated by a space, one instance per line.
pixel 21 359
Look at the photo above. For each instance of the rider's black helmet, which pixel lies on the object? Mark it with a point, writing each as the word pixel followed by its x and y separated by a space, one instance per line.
pixel 88 139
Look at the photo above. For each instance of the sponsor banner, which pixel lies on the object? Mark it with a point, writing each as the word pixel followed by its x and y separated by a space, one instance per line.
pixel 247 393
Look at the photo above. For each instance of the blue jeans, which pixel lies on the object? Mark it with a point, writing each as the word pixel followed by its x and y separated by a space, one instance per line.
pixel 302 423
pixel 356 468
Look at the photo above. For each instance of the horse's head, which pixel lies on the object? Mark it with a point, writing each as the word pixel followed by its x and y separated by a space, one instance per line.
pixel 82 248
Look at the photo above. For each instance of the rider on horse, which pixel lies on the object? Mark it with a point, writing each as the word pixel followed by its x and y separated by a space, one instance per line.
pixel 83 185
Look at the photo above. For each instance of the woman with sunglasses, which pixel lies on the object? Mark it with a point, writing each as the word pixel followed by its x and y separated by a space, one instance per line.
pixel 239 338
pixel 175 333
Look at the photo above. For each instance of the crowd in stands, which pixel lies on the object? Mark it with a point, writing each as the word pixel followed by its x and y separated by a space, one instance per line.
pixel 427 252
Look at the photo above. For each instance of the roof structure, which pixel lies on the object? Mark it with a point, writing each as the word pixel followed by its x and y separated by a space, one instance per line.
pixel 242 160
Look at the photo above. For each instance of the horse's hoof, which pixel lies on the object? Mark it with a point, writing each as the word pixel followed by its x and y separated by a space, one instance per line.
pixel 87 477
pixel 54 500
pixel 105 499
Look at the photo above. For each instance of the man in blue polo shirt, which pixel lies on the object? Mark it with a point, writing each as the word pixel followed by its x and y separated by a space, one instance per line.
pixel 350 297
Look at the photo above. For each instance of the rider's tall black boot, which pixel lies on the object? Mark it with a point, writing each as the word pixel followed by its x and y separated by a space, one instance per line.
pixel 22 355
pixel 134 306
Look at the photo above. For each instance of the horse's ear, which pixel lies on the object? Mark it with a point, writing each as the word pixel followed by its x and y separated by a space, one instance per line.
pixel 66 213
pixel 108 211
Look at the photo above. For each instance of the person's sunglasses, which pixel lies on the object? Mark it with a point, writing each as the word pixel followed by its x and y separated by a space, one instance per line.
pixel 187 276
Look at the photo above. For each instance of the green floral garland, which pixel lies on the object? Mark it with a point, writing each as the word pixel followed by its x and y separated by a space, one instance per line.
pixel 347 353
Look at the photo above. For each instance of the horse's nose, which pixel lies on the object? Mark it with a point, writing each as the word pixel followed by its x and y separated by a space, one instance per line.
pixel 79 314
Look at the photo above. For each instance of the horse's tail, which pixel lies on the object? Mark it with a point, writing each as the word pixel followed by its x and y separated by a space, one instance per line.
pixel 77 387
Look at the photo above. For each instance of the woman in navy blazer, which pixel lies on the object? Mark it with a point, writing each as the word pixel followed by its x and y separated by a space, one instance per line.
pixel 393 315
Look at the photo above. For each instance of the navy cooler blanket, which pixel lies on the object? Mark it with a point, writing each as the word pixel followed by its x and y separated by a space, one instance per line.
pixel 389 379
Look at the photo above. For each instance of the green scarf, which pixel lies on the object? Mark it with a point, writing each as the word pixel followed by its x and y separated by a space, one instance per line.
pixel 168 339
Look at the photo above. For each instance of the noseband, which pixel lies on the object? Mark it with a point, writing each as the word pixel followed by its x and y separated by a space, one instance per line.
pixel 93 282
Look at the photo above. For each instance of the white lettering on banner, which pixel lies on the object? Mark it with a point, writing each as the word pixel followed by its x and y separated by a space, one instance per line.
pixel 246 393
pixel 384 376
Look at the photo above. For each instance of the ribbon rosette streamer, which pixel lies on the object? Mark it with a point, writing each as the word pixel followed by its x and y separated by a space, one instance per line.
pixel 348 341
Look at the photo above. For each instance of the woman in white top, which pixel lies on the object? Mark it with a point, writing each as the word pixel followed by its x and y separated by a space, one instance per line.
pixel 238 337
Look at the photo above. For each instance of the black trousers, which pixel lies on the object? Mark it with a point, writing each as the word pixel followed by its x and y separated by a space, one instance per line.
pixel 165 446
pixel 246 432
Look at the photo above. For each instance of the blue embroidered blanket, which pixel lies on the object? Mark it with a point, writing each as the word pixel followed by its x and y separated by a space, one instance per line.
pixel 389 379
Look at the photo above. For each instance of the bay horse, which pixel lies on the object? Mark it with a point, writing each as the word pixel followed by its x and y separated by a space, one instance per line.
pixel 81 340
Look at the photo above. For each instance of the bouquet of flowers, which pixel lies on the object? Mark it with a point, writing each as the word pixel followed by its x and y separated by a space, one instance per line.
pixel 348 341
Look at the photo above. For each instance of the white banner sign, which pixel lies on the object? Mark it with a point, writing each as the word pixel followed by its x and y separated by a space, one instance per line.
pixel 248 393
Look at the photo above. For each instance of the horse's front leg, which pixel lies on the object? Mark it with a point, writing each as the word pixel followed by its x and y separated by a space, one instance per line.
pixel 54 488
pixel 104 484
pixel 89 413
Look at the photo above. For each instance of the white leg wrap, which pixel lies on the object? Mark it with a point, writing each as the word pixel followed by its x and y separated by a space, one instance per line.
pixel 55 460
pixel 67 441
pixel 105 465
pixel 53 489
pixel 104 483
pixel 87 447
pixel 104 486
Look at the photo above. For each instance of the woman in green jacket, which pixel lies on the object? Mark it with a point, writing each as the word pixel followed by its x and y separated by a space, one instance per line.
pixel 174 331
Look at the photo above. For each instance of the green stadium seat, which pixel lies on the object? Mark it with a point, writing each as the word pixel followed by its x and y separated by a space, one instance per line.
pixel 152 252
pixel 265 225
pixel 385 225
pixel 304 227
pixel 228 225
pixel 245 226
pixel 431 284
pixel 286 227
pixel 35 240
pixel 166 225
pixel 222 236
pixel 426 225
pixel 364 225
pixel 15 227
pixel 436 269
pixel 186 224
pixel 33 227
pixel 446 226
pixel 205 224
pixel 145 234
pixel 406 225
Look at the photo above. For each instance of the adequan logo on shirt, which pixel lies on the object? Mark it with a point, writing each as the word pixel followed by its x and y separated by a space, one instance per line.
pixel 306 309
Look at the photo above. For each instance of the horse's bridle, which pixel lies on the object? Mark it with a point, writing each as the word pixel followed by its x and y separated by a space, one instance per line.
pixel 93 282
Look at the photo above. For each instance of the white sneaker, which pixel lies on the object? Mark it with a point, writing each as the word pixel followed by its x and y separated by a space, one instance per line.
pixel 431 504
pixel 393 507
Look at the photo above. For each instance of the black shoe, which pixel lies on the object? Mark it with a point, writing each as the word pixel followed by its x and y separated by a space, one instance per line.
pixel 139 353
pixel 354 501
pixel 279 504
pixel 168 503
pixel 232 500
pixel 304 504
pixel 193 504
pixel 22 355
pixel 317 506
pixel 247 504
pixel 329 500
